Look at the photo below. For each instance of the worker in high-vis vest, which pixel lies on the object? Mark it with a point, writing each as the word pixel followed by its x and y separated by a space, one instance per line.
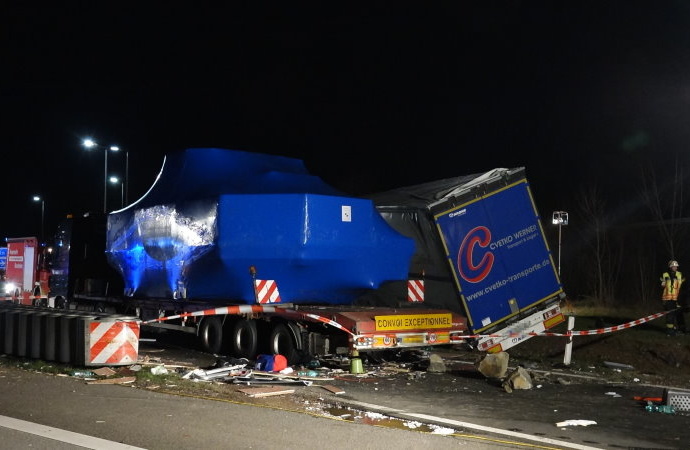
pixel 671 281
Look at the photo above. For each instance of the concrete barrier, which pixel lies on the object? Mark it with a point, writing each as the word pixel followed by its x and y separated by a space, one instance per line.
pixel 68 336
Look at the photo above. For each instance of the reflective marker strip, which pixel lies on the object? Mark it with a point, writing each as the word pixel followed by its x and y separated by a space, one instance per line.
pixel 266 291
pixel 415 290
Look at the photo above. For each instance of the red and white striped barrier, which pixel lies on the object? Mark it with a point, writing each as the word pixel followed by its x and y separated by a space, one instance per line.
pixel 113 343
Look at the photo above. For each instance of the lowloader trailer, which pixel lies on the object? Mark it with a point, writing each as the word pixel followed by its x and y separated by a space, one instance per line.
pixel 253 254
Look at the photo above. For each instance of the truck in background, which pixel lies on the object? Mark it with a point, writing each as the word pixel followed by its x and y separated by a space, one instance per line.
pixel 26 274
pixel 255 255
pixel 79 270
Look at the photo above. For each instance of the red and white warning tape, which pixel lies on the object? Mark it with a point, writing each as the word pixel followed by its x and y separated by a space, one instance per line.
pixel 252 309
pixel 574 333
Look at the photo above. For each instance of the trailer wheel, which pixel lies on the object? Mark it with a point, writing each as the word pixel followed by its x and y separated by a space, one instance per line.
pixel 243 339
pixel 211 334
pixel 281 342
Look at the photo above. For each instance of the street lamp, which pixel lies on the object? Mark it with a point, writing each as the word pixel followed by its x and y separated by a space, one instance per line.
pixel 116 180
pixel 90 143
pixel 559 218
pixel 125 184
pixel 37 198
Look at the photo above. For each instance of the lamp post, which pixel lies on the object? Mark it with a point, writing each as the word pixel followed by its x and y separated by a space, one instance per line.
pixel 559 218
pixel 38 198
pixel 116 180
pixel 125 182
pixel 126 185
pixel 90 143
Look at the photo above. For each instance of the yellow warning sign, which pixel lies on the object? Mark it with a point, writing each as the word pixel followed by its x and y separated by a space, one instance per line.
pixel 413 322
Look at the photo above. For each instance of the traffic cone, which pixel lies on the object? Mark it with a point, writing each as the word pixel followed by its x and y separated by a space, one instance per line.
pixel 356 363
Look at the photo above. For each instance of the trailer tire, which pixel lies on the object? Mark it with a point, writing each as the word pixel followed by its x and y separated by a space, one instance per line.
pixel 243 339
pixel 281 342
pixel 211 334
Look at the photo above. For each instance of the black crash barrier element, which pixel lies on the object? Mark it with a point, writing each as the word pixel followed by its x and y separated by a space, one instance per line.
pixel 68 336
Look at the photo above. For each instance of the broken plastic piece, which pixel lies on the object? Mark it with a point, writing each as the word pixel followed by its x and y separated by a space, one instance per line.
pixel 614 365
pixel 159 370
pixel 576 422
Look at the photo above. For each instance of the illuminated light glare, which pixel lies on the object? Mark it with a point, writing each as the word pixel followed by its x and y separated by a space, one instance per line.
pixel 9 287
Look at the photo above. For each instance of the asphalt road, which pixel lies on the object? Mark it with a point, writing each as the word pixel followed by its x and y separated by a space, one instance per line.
pixel 44 411
pixel 460 408
pixel 467 402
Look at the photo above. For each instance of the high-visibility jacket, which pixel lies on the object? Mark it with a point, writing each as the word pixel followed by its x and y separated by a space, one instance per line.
pixel 671 283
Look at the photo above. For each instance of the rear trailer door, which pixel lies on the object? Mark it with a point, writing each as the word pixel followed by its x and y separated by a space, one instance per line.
pixel 500 259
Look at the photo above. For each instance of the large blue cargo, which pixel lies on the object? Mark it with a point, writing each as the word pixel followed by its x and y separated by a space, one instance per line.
pixel 214 213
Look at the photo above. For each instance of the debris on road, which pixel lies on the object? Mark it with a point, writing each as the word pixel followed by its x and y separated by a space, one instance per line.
pixel 104 372
pixel 218 373
pixel 249 380
pixel 159 370
pixel 333 389
pixel 494 365
pixel 575 423
pixel 266 391
pixel 619 366
pixel 436 364
pixel 518 379
pixel 121 380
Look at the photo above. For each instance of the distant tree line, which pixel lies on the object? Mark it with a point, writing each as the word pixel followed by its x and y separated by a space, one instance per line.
pixel 614 254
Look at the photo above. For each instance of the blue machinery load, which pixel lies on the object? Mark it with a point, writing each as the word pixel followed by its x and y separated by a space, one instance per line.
pixel 212 214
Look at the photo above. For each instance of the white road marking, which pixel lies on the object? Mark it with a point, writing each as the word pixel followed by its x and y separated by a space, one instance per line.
pixel 458 424
pixel 63 435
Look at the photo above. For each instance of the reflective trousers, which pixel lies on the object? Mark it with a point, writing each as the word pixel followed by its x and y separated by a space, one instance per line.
pixel 675 320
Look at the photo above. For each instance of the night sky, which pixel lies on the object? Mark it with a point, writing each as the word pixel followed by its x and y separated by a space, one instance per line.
pixel 370 95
